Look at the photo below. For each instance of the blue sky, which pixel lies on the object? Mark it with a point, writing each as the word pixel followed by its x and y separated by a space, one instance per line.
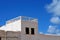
pixel 33 8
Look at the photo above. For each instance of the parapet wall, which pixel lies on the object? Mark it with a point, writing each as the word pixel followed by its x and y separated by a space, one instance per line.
pixel 12 34
pixel 2 33
pixel 48 37
pixel 9 35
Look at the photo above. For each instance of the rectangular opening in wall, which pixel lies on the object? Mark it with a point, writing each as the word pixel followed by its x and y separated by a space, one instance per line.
pixel 0 38
pixel 27 30
pixel 32 31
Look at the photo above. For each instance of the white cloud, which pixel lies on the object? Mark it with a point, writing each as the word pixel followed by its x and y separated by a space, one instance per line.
pixel 41 33
pixel 51 34
pixel 55 20
pixel 51 29
pixel 58 31
pixel 54 7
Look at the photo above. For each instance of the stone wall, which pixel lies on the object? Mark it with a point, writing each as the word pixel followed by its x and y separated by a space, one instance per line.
pixel 48 37
pixel 30 25
pixel 2 35
pixel 11 35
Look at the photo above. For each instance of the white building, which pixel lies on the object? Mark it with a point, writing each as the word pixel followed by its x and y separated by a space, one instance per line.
pixel 23 28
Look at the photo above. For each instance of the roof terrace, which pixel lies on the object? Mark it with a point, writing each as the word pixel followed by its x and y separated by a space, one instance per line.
pixel 23 18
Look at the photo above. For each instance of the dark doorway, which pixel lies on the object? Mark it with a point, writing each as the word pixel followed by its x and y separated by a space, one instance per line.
pixel 27 30
pixel 32 31
pixel 0 38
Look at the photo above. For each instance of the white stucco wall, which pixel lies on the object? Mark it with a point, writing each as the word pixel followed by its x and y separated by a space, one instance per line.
pixel 14 26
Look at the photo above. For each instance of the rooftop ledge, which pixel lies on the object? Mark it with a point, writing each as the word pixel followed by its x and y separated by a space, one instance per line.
pixel 23 18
